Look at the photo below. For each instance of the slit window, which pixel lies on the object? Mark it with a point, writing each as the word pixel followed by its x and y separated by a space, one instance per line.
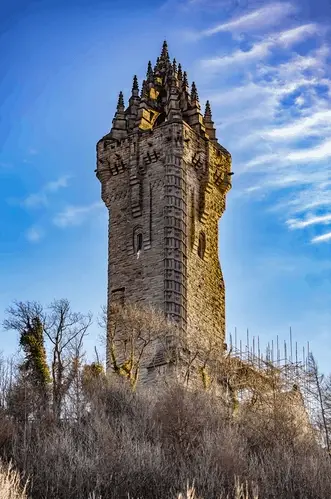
pixel 202 245
pixel 139 241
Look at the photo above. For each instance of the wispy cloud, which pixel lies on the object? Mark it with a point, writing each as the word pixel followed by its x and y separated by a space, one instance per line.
pixel 41 198
pixel 75 215
pixel 322 239
pixel 36 199
pixel 259 51
pixel 313 220
pixel 34 234
pixel 273 112
pixel 55 185
pixel 269 15
pixel 315 124
pixel 318 153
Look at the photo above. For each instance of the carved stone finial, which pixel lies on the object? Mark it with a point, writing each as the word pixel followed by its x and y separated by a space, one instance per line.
pixel 149 73
pixel 156 67
pixel 165 53
pixel 179 72
pixel 185 80
pixel 120 102
pixel 207 115
pixel 194 92
pixel 144 89
pixel 209 124
pixel 135 85
pixel 174 66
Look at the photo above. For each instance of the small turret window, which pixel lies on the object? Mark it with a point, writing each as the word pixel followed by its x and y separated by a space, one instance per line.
pixel 202 245
pixel 137 241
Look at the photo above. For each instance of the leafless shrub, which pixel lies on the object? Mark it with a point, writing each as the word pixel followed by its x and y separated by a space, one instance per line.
pixel 133 334
pixel 150 445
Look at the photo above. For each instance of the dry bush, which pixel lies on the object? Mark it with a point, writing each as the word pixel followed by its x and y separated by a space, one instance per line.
pixel 151 443
pixel 10 484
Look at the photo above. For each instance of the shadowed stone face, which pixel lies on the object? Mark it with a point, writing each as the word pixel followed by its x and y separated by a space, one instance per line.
pixel 164 180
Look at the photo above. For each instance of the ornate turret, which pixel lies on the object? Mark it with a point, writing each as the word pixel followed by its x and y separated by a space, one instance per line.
pixel 165 95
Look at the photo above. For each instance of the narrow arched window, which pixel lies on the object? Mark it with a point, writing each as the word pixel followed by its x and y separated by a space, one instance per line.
pixel 137 240
pixel 202 245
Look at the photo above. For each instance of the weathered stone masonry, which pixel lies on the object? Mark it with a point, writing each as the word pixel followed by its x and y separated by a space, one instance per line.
pixel 164 178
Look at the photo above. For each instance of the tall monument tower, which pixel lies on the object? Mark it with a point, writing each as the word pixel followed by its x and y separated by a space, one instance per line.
pixel 164 179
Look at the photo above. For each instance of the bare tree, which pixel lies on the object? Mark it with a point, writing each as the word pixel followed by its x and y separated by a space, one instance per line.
pixel 65 330
pixel 134 331
pixel 320 391
pixel 7 369
pixel 20 315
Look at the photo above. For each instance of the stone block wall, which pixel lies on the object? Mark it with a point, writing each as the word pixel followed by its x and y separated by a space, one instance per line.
pixel 164 192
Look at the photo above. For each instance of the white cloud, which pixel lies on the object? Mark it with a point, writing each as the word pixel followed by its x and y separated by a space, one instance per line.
pixel 308 125
pixel 33 200
pixel 269 15
pixel 294 35
pixel 274 115
pixel 317 153
pixel 55 185
pixel 323 238
pixel 75 215
pixel 313 220
pixel 262 160
pixel 34 235
pixel 260 50
pixel 41 198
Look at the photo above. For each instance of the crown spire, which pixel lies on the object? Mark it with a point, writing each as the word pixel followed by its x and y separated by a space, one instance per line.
pixel 119 128
pixel 179 72
pixel 135 85
pixel 144 89
pixel 149 73
pixel 209 124
pixel 174 66
pixel 194 92
pixel 164 52
pixel 157 64
pixel 207 115
pixel 185 81
pixel 120 102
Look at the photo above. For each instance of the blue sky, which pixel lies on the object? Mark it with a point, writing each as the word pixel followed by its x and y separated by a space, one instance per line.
pixel 265 66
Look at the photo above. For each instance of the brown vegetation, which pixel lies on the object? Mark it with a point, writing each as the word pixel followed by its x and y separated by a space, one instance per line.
pixel 109 437
pixel 10 484
pixel 150 445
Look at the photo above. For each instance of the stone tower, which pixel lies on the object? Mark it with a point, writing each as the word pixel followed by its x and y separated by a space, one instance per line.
pixel 164 179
